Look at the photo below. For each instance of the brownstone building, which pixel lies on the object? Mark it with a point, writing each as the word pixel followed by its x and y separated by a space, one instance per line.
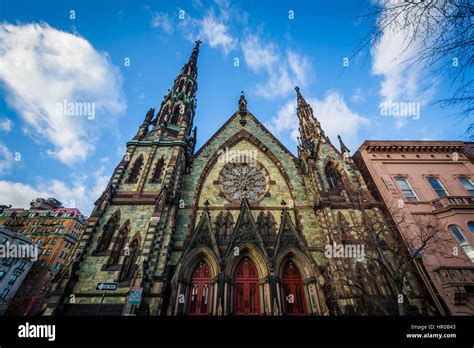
pixel 57 230
pixel 430 184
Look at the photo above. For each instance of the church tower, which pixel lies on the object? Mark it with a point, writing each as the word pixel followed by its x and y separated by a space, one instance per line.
pixel 130 231
pixel 347 217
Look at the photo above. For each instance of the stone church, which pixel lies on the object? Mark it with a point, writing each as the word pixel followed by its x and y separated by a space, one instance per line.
pixel 240 226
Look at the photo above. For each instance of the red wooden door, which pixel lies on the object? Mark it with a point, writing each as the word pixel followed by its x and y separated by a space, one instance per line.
pixel 295 301
pixel 199 290
pixel 246 291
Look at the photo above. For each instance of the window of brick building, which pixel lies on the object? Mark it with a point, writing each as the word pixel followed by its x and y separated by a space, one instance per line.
pixel 470 224
pixel 438 187
pixel 458 235
pixel 4 294
pixel 406 189
pixel 12 279
pixel 468 185
pixel 462 241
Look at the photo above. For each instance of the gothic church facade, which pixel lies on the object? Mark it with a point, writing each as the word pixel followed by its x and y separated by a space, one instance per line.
pixel 239 227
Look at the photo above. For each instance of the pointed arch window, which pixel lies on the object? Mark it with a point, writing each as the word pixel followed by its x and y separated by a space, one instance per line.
pixel 228 224
pixel 108 231
pixel 266 225
pixel 220 231
pixel 189 88
pixel 374 283
pixel 293 290
pixel 158 170
pixel 175 117
pixel 135 171
pixel 363 278
pixel 181 85
pixel 129 265
pixel 343 224
pixel 333 177
pixel 271 223
pixel 165 112
pixel 262 225
pixel 199 291
pixel 119 244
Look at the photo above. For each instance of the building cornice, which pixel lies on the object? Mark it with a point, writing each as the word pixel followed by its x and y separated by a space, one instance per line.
pixel 412 146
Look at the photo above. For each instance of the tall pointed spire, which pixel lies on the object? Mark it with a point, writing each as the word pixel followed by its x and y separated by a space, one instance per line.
pixel 310 128
pixel 299 98
pixel 179 103
pixel 190 68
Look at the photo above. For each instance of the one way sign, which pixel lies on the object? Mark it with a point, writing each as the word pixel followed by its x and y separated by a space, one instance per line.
pixel 107 286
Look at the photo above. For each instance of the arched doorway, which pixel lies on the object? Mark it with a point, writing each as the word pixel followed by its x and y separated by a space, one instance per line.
pixel 198 303
pixel 293 291
pixel 246 290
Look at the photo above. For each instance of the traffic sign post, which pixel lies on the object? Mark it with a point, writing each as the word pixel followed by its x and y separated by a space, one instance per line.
pixel 105 287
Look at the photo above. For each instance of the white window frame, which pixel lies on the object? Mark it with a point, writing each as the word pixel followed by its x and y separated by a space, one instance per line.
pixel 410 187
pixel 465 245
pixel 466 178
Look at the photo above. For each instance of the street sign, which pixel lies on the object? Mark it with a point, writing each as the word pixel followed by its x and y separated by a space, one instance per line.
pixel 107 286
pixel 135 296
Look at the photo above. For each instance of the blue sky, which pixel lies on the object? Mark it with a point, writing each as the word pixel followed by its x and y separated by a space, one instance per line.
pixel 76 51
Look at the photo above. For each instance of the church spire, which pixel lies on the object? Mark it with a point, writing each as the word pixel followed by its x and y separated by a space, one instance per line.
pixel 344 148
pixel 299 97
pixel 190 68
pixel 179 103
pixel 310 128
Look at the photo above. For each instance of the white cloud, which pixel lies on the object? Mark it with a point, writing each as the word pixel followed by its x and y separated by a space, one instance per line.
pixel 389 57
pixel 299 66
pixel 337 118
pixel 6 159
pixel 393 58
pixel 74 194
pixel 282 71
pixel 358 96
pixel 212 29
pixel 285 120
pixel 162 20
pixel 257 55
pixel 6 125
pixel 332 112
pixel 19 195
pixel 40 67
pixel 216 33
